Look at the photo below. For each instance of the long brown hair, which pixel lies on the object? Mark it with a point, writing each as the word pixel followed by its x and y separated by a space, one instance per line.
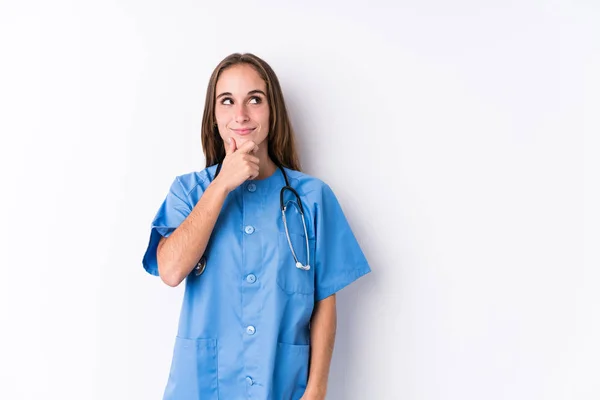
pixel 282 143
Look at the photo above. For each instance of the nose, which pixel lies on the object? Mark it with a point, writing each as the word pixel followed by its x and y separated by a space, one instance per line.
pixel 241 113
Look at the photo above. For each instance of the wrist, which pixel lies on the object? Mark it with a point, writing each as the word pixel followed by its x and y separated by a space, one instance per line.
pixel 218 186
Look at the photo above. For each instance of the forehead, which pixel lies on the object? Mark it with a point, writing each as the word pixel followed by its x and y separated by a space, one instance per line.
pixel 239 79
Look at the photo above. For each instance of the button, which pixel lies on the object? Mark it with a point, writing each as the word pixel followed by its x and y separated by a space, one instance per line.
pixel 251 278
pixel 249 229
pixel 249 381
pixel 250 330
pixel 252 187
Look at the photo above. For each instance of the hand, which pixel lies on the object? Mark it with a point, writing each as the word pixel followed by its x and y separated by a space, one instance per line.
pixel 238 165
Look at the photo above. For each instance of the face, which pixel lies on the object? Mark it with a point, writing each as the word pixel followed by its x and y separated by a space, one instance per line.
pixel 241 106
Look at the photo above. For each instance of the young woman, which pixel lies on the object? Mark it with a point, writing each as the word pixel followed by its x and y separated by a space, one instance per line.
pixel 258 317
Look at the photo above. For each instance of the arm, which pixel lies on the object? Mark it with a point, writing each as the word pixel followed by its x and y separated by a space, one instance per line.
pixel 178 253
pixel 322 337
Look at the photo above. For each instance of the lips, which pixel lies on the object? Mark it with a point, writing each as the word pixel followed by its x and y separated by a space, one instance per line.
pixel 243 131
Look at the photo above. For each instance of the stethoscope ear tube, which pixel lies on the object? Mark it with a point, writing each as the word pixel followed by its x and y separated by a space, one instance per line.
pixel 298 201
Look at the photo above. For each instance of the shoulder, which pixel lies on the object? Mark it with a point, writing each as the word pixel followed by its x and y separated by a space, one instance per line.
pixel 308 185
pixel 195 180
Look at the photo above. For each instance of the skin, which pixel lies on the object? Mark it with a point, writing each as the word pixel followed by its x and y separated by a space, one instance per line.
pixel 241 103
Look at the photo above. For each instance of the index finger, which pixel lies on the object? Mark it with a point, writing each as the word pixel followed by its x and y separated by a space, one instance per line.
pixel 248 147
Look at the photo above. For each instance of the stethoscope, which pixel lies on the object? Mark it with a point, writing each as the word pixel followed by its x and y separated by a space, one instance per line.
pixel 201 266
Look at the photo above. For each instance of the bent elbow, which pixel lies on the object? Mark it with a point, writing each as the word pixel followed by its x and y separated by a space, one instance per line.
pixel 171 282
pixel 168 273
pixel 170 279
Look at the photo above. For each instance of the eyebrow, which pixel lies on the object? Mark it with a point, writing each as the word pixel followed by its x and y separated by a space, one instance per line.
pixel 255 91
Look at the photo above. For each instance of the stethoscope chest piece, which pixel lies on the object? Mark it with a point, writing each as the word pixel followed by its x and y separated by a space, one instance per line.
pixel 200 267
pixel 299 265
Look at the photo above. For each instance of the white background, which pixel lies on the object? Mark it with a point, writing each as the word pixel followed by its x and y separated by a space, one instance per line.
pixel 460 137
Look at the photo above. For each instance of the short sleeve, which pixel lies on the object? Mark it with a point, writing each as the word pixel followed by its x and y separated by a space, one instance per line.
pixel 173 211
pixel 339 260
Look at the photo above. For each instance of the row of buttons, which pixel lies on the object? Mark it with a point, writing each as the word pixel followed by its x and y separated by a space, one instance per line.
pixel 250 330
pixel 249 229
pixel 251 278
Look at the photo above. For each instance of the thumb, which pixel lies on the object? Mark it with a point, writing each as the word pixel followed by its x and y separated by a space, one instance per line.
pixel 232 146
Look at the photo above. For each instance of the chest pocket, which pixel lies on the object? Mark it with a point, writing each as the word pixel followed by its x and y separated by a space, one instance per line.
pixel 291 279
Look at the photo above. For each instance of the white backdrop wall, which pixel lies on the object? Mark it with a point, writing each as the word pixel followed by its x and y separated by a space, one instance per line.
pixel 460 137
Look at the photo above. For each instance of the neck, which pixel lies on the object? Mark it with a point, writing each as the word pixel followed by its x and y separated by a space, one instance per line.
pixel 266 166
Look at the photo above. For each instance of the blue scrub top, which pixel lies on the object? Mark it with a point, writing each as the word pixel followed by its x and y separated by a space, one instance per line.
pixel 244 323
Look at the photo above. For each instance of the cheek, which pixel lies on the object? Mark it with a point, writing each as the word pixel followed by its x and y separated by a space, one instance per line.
pixel 221 116
pixel 262 116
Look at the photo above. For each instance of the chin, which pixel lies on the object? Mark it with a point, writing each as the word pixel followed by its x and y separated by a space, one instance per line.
pixel 257 140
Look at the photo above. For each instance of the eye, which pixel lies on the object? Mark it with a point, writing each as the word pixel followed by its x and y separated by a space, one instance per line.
pixel 258 100
pixel 226 101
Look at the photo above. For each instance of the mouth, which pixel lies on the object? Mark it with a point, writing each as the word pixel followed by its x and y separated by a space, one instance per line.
pixel 244 131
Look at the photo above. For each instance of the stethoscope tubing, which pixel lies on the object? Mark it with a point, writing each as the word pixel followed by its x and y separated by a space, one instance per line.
pixel 201 266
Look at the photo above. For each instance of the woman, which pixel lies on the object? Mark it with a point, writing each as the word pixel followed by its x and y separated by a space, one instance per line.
pixel 258 320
